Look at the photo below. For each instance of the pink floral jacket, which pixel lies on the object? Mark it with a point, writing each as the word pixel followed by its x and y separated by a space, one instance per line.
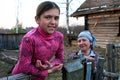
pixel 37 44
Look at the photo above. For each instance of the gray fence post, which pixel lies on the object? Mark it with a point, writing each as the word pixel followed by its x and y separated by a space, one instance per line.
pixel 113 51
pixel 99 71
pixel 110 58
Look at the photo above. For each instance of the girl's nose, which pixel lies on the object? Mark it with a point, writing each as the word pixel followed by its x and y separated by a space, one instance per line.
pixel 53 20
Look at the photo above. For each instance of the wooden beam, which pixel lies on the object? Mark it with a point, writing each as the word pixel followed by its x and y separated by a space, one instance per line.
pixel 20 76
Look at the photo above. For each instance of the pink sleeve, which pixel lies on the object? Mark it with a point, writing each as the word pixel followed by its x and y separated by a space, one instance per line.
pixel 59 57
pixel 25 60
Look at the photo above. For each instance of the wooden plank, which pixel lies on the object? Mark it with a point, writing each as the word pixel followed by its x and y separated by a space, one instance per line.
pixel 101 45
pixel 17 77
pixel 104 41
pixel 109 25
pixel 105 35
pixel 105 22
pixel 104 38
pixel 10 41
pixel 7 59
pixel 110 59
pixel 103 18
pixel 104 26
pixel 100 32
pixel 117 41
pixel 99 71
pixel 105 30
pixel 103 15
pixel 117 45
pixel 112 75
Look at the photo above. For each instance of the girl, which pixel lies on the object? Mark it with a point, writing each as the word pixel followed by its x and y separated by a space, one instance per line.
pixel 40 45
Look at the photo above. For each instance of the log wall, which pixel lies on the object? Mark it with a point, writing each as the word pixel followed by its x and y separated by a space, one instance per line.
pixel 105 27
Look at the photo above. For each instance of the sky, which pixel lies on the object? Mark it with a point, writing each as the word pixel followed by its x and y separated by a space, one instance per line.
pixel 25 12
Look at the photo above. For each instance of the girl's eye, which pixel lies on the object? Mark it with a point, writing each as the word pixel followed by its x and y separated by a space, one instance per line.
pixel 48 17
pixel 57 17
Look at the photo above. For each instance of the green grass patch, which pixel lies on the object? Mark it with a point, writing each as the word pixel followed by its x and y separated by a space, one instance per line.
pixel 4 69
pixel 55 76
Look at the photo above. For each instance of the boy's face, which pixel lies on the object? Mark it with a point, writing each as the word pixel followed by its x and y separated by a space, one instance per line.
pixel 49 20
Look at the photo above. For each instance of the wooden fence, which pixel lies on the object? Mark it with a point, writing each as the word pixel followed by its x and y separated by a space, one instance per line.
pixel 113 58
pixel 10 41
pixel 113 72
pixel 100 73
pixel 18 77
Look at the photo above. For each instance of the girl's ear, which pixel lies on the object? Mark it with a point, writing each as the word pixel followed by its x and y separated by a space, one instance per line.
pixel 37 19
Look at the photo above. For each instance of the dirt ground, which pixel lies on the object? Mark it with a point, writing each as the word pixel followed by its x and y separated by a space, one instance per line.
pixel 5 68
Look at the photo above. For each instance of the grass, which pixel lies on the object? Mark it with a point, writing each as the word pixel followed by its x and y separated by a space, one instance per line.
pixel 55 76
pixel 4 69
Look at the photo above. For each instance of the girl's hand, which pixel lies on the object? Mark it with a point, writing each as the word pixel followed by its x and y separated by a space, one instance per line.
pixel 55 68
pixel 49 65
pixel 41 66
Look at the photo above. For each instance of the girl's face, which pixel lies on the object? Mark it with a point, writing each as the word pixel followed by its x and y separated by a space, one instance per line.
pixel 49 20
pixel 84 43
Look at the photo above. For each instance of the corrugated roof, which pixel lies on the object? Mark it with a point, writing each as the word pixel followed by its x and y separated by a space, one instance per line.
pixel 93 6
pixel 95 3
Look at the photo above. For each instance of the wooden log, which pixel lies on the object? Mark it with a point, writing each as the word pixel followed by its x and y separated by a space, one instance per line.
pixel 103 15
pixel 7 59
pixel 117 45
pixel 99 71
pixel 104 25
pixel 112 75
pixel 20 76
pixel 110 59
